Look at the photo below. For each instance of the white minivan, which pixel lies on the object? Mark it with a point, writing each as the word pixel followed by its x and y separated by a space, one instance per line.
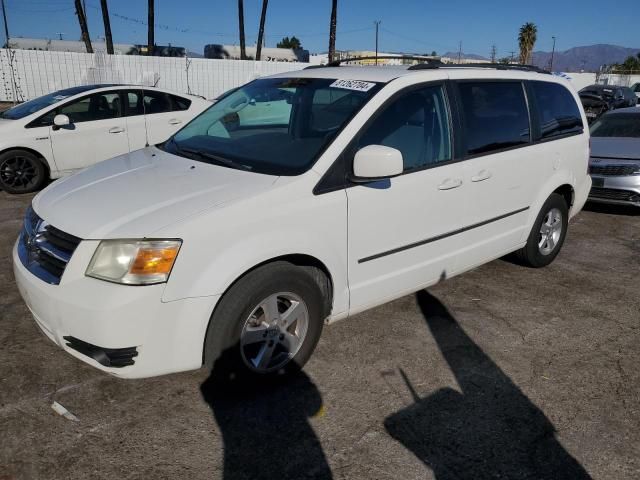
pixel 233 242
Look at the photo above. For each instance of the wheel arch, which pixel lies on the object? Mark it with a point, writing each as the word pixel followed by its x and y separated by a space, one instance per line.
pixel 40 156
pixel 567 192
pixel 324 280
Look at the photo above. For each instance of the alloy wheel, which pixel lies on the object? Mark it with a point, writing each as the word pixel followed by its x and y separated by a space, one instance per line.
pixel 18 172
pixel 274 332
pixel 550 231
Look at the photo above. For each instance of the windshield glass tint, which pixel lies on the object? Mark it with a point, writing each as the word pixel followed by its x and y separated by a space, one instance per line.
pixel 623 125
pixel 37 104
pixel 276 126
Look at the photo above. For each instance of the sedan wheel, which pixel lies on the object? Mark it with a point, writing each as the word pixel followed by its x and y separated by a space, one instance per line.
pixel 21 172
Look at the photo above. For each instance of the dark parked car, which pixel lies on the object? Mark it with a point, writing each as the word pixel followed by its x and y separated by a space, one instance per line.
pixel 597 99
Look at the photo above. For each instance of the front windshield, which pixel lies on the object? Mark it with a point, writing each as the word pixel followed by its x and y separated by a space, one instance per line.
pixel 276 126
pixel 617 125
pixel 37 104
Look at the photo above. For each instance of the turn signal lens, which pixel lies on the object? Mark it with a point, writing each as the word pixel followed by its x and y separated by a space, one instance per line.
pixel 134 262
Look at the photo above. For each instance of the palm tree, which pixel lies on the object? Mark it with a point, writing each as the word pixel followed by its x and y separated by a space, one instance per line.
pixel 83 26
pixel 332 29
pixel 243 52
pixel 107 26
pixel 263 17
pixel 150 28
pixel 527 39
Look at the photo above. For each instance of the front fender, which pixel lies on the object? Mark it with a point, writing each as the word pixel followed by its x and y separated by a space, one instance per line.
pixel 316 227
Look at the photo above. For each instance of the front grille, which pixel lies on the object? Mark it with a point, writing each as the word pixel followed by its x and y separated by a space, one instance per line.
pixel 614 170
pixel 109 357
pixel 45 250
pixel 613 194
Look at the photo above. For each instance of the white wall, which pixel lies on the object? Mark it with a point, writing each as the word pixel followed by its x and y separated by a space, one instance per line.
pixel 36 72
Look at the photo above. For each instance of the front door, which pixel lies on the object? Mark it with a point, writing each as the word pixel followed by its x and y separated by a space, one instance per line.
pixel 97 131
pixel 402 231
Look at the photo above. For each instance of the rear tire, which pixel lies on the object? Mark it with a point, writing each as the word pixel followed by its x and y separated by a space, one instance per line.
pixel 547 235
pixel 21 172
pixel 267 324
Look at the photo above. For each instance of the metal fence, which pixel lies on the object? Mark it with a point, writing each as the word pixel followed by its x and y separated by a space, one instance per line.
pixel 27 74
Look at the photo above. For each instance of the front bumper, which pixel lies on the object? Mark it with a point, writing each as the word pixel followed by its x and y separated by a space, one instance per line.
pixel 167 336
pixel 614 190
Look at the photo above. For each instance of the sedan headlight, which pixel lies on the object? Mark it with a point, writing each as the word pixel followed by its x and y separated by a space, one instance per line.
pixel 134 262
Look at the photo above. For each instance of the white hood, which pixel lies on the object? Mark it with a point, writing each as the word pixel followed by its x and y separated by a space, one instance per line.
pixel 134 195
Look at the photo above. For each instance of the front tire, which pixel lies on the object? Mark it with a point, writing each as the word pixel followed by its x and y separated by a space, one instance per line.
pixel 267 324
pixel 548 233
pixel 21 172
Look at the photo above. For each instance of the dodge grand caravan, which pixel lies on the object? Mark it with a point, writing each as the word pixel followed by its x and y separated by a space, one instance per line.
pixel 298 200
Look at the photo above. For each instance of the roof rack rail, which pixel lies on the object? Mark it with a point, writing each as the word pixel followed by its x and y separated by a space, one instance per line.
pixel 337 63
pixel 497 66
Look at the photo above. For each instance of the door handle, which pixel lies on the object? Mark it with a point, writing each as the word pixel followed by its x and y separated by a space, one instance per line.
pixel 482 175
pixel 116 130
pixel 175 121
pixel 450 183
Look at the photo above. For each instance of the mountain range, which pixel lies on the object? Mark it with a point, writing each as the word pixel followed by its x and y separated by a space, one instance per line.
pixel 588 58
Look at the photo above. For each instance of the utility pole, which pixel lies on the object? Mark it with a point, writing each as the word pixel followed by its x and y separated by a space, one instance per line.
pixel 60 35
pixel 151 41
pixel 459 51
pixel 553 51
pixel 107 26
pixel 512 56
pixel 6 26
pixel 83 26
pixel 493 53
pixel 377 24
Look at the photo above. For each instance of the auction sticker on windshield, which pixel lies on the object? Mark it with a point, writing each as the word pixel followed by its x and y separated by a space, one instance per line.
pixel 357 85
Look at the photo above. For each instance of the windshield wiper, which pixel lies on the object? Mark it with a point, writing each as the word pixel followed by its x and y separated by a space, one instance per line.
pixel 213 158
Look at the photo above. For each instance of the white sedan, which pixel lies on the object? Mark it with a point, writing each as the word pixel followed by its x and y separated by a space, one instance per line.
pixel 59 133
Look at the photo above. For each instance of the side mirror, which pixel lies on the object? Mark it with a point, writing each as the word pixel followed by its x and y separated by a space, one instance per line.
pixel 376 162
pixel 60 121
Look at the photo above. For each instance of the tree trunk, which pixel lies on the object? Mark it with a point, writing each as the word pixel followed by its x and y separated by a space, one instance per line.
pixel 263 17
pixel 332 30
pixel 151 42
pixel 83 26
pixel 107 26
pixel 243 52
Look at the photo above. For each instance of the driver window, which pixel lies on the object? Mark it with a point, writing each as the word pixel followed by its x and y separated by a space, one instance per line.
pixel 417 124
pixel 99 106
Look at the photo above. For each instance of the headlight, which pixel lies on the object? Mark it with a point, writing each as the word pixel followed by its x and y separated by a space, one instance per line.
pixel 134 262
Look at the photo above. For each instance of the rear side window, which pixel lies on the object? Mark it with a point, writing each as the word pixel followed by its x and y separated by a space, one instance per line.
pixel 495 116
pixel 154 102
pixel 558 111
pixel 179 103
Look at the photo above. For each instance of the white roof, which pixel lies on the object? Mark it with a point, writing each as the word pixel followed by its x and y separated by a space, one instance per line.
pixel 388 73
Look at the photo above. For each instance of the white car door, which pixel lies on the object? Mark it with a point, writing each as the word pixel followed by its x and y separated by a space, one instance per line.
pixel 97 131
pixel 165 115
pixel 402 231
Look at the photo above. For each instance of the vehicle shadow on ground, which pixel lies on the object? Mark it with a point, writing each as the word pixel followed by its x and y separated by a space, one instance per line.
pixel 489 429
pixel 265 426
pixel 626 210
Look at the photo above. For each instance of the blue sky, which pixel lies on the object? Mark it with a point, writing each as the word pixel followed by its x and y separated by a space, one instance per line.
pixel 407 25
